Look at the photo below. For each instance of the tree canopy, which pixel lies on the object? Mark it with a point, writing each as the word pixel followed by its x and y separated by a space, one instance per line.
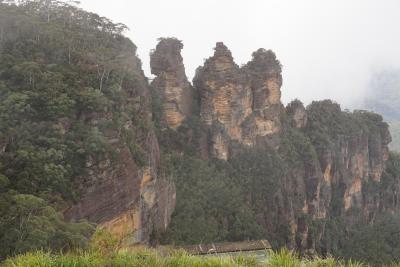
pixel 60 67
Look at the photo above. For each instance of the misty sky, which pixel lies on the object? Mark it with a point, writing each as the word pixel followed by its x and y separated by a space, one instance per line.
pixel 329 49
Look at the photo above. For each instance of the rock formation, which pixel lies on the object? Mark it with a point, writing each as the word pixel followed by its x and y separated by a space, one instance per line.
pixel 297 114
pixel 239 105
pixel 85 133
pixel 337 154
pixel 225 99
pixel 351 151
pixel 331 155
pixel 128 200
pixel 171 84
pixel 264 74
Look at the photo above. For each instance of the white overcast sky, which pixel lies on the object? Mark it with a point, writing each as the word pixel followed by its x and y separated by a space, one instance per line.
pixel 328 48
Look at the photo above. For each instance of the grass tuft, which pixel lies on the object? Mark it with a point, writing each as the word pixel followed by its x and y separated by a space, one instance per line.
pixel 151 258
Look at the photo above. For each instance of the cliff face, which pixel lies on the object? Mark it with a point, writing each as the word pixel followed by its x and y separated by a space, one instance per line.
pixel 128 200
pixel 77 134
pixel 338 158
pixel 297 114
pixel 171 84
pixel 329 159
pixel 354 152
pixel 79 117
pixel 124 192
pixel 351 150
pixel 239 105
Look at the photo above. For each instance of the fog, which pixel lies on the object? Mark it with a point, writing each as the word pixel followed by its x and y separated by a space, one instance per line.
pixel 328 49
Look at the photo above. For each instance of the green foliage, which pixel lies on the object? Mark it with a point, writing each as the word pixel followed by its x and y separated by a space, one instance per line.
pixel 151 258
pixel 29 223
pixel 212 196
pixel 64 74
pixel 104 242
pixel 70 82
pixel 327 123
pixel 209 207
pixel 137 258
pixel 219 200
pixel 284 258
pixel 4 182
pixel 377 244
pixel 334 236
pixel 186 139
pixel 45 259
pixel 297 149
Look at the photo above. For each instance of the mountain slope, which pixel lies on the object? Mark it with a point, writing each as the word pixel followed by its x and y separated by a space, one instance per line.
pixel 76 130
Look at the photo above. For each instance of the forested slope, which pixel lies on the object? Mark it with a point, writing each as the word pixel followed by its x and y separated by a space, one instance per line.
pixel 76 132
pixel 86 141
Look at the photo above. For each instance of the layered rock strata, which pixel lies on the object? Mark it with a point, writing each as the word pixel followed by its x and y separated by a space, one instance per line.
pixel 239 105
pixel 123 191
pixel 171 84
pixel 337 153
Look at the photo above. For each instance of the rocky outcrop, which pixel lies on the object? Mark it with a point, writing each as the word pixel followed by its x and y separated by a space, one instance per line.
pixel 332 156
pixel 225 100
pixel 297 114
pixel 128 200
pixel 333 162
pixel 264 74
pixel 171 84
pixel 239 105
pixel 352 149
pixel 357 151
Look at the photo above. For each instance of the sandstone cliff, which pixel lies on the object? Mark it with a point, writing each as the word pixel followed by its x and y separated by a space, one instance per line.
pixel 83 132
pixel 328 159
pixel 171 84
pixel 77 109
pixel 239 105
pixel 351 151
pixel 124 192
pixel 325 160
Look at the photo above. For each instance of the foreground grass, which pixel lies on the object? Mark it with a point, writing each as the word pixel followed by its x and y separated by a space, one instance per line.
pixel 151 258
